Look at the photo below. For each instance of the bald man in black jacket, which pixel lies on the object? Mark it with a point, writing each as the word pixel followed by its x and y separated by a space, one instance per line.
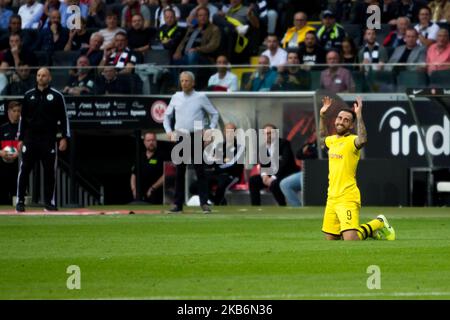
pixel 43 117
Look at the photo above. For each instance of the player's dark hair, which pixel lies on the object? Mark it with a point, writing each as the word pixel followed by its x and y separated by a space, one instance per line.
pixel 312 32
pixel 426 8
pixel 13 103
pixel 110 13
pixel 349 111
pixel 146 133
pixel 292 50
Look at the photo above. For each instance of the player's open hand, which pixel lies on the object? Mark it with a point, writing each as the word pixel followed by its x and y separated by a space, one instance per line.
pixel 326 104
pixel 358 106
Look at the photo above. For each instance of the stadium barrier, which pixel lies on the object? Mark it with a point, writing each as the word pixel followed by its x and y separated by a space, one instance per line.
pixel 412 126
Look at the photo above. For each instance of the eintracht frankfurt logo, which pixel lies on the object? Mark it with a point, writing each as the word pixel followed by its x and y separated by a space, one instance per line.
pixel 157 111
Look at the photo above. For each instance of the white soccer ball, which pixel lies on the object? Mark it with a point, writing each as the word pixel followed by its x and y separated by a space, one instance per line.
pixel 9 150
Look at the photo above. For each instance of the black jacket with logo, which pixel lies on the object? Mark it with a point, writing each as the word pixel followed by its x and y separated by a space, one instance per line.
pixel 43 115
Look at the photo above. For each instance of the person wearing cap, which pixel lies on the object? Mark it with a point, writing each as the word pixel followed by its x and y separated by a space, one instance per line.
pixel 330 34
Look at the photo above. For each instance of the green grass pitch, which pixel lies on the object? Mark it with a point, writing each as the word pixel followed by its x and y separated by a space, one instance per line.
pixel 235 253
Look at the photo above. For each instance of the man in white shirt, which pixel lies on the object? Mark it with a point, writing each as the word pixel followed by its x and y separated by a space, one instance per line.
pixel 223 77
pixel 189 107
pixel 277 56
pixel 112 27
pixel 427 30
pixel 31 13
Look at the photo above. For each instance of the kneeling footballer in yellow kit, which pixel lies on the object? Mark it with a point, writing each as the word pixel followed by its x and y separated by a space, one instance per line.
pixel 341 218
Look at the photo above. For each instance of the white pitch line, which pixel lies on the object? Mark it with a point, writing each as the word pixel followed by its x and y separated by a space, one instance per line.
pixel 288 296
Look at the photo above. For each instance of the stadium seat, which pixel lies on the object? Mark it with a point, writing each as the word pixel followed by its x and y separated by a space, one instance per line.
pixel 381 81
pixel 158 57
pixel 239 72
pixel 360 81
pixel 254 60
pixel 241 185
pixel 151 68
pixel 43 58
pixel 244 80
pixel 354 32
pixel 389 51
pixel 64 58
pixel 440 79
pixel 135 82
pixel 60 78
pixel 383 32
pixel 315 80
pixel 33 36
pixel 255 170
pixel 92 30
pixel 411 79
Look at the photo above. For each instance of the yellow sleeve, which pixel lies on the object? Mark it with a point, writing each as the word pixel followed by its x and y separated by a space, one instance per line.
pixel 328 141
pixel 354 148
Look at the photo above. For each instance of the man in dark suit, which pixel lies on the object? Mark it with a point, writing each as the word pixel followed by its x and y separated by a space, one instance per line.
pixel 274 171
pixel 410 52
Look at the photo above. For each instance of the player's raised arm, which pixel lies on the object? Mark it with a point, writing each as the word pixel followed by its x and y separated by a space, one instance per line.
pixel 323 131
pixel 361 140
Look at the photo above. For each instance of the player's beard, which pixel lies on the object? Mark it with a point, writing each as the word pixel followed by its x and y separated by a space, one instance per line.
pixel 342 130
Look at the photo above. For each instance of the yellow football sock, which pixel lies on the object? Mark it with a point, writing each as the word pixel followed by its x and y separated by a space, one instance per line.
pixel 376 224
pixel 367 229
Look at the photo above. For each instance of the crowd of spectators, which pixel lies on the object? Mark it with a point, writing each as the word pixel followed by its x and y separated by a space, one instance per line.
pixel 288 39
pixel 292 46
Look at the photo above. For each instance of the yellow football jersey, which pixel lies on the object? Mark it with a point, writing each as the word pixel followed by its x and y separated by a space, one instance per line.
pixel 343 157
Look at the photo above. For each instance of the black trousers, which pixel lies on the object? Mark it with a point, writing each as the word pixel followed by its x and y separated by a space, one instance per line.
pixel 180 178
pixel 223 183
pixel 32 153
pixel 220 182
pixel 155 198
pixel 8 181
pixel 256 185
pixel 180 184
